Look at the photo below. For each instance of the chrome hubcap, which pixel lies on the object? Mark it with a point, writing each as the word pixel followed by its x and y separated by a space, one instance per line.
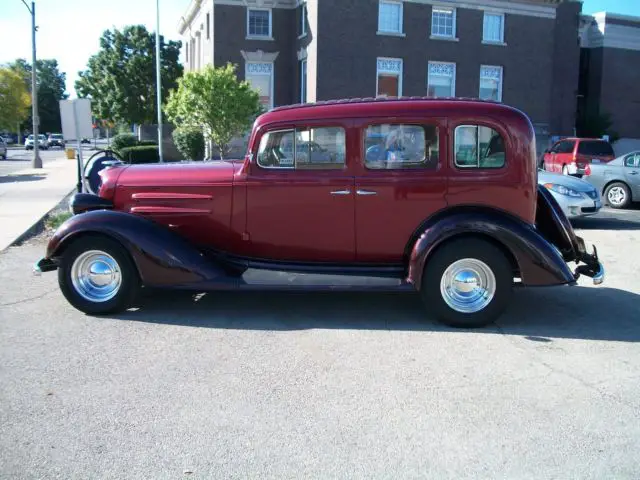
pixel 96 276
pixel 616 196
pixel 468 285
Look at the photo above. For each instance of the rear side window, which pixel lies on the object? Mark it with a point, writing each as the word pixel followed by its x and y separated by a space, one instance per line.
pixel 401 146
pixel 595 147
pixel 477 146
pixel 303 149
pixel 566 146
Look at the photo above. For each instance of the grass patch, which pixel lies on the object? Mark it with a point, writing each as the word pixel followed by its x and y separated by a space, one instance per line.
pixel 54 220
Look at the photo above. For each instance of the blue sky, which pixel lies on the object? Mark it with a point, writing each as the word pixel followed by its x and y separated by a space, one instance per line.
pixel 69 30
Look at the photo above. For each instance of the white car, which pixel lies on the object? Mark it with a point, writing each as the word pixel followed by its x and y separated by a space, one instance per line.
pixel 576 197
pixel 42 142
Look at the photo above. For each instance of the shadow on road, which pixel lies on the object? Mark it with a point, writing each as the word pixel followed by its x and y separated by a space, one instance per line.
pixel 537 313
pixel 607 223
pixel 21 178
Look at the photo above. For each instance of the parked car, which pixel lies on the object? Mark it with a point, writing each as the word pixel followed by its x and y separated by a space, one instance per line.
pixel 576 197
pixel 570 156
pixel 55 140
pixel 3 149
pixel 9 139
pixel 460 233
pixel 42 142
pixel 618 180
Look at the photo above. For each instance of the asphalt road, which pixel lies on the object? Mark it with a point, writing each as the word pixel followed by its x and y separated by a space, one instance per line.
pixel 20 159
pixel 274 385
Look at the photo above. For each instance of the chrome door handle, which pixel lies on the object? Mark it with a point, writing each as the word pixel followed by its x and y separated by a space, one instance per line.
pixel 366 192
pixel 341 192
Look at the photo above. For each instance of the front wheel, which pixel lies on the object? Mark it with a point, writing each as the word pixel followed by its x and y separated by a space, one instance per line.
pixel 467 283
pixel 97 276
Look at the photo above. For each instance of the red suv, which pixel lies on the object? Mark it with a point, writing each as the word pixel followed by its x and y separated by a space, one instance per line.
pixel 571 156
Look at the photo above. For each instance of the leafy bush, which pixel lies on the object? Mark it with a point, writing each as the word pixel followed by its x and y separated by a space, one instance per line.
pixel 140 154
pixel 189 142
pixel 146 143
pixel 123 140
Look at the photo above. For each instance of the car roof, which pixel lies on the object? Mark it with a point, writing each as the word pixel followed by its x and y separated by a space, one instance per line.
pixel 392 107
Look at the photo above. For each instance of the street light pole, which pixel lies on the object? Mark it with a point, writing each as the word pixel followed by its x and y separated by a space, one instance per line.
pixel 36 162
pixel 159 82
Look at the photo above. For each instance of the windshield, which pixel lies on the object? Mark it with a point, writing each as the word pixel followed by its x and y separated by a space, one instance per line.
pixel 56 137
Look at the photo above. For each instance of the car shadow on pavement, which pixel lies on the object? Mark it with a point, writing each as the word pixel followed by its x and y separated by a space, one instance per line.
pixel 539 313
pixel 606 224
pixel 22 178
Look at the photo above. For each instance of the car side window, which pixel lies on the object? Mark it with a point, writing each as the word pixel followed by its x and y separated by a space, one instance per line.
pixel 321 148
pixel 477 146
pixel 401 146
pixel 632 160
pixel 565 146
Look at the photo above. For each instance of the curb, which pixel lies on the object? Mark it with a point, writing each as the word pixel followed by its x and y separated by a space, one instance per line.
pixel 39 226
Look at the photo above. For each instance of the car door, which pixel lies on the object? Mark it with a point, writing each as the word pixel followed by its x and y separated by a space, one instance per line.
pixel 400 181
pixel 632 173
pixel 564 155
pixel 300 207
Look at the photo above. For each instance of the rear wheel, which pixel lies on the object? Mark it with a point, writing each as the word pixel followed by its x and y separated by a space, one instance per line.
pixel 97 276
pixel 618 195
pixel 467 283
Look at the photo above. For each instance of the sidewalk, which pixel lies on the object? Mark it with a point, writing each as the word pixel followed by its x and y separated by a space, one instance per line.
pixel 28 195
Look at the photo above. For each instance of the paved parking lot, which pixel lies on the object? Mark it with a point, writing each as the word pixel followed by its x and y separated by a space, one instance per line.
pixel 324 385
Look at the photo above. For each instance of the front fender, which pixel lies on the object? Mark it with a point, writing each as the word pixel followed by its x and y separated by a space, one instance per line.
pixel 162 257
pixel 538 261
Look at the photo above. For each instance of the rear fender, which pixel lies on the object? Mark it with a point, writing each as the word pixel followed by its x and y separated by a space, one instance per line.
pixel 537 261
pixel 162 257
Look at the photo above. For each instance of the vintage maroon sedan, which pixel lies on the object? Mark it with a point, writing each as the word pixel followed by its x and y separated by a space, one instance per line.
pixel 439 194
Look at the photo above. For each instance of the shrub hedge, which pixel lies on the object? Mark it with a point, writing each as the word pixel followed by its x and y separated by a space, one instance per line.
pixel 140 154
pixel 123 140
pixel 190 142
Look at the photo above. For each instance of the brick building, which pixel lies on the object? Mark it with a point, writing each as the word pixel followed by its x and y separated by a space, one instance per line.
pixel 610 70
pixel 525 53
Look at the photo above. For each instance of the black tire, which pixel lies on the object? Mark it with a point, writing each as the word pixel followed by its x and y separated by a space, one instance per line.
pixel 130 280
pixel 444 257
pixel 627 195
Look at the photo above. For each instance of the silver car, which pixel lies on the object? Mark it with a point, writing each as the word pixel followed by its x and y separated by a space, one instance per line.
pixel 618 180
pixel 576 197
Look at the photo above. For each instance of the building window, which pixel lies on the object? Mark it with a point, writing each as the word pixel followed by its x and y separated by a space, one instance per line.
pixel 303 81
pixel 303 20
pixel 490 83
pixel 389 16
pixel 260 76
pixel 443 22
pixel 208 26
pixel 478 147
pixel 259 22
pixel 397 146
pixel 441 79
pixel 389 79
pixel 493 28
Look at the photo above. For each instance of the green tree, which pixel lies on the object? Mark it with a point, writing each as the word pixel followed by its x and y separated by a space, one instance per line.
pixel 51 89
pixel 120 78
pixel 214 100
pixel 15 99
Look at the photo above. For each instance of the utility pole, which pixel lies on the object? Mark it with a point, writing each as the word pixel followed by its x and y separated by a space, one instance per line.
pixel 36 162
pixel 159 82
